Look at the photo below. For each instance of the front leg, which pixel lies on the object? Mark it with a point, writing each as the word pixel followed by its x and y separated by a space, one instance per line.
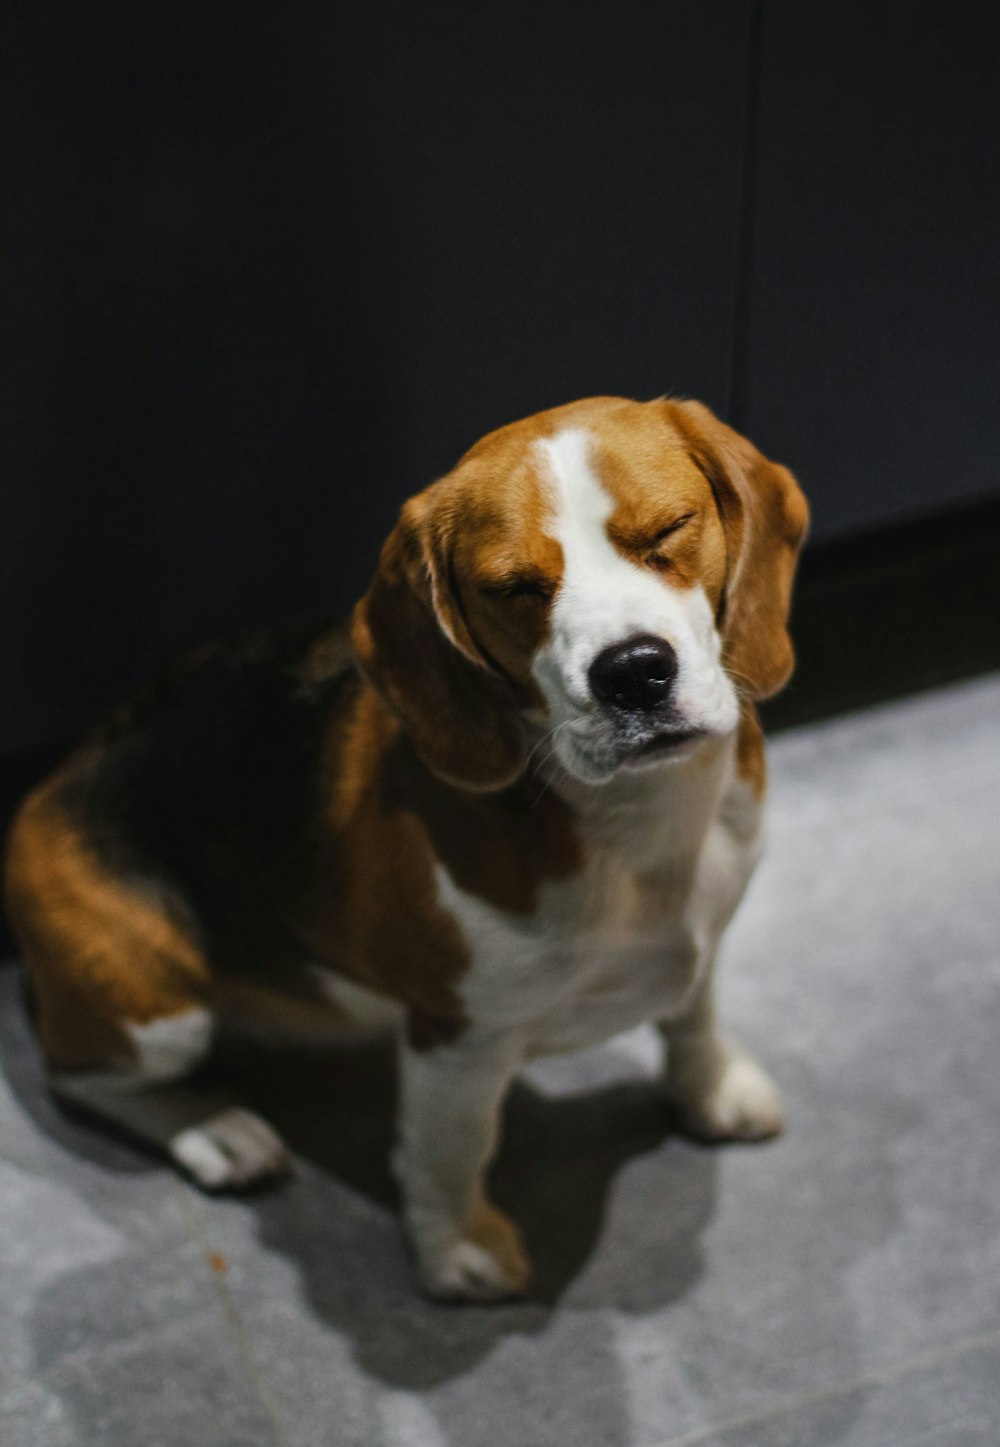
pixel 716 1088
pixel 450 1101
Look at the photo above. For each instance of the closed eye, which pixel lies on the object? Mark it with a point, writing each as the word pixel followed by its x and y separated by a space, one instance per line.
pixel 526 586
pixel 657 557
pixel 671 528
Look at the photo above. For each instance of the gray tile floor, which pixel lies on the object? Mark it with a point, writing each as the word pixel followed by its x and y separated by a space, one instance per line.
pixel 839 1286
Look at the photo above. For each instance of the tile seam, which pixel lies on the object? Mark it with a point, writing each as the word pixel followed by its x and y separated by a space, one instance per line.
pixel 233 1319
pixel 881 1376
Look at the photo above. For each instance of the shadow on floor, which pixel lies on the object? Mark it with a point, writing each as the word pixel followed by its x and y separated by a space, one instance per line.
pixel 558 1162
pixel 439 1372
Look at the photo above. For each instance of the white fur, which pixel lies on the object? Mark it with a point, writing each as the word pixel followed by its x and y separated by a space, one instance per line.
pixel 624 940
pixel 219 1144
pixel 740 1103
pixel 368 1012
pixel 170 1046
pixel 164 1049
pixel 604 599
pixel 450 1101
pixel 667 856
pixel 231 1149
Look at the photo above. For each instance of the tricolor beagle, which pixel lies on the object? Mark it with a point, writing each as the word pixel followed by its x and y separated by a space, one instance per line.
pixel 508 808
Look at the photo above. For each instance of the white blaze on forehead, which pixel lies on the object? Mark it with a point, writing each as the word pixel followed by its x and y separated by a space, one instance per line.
pixel 580 504
pixel 604 598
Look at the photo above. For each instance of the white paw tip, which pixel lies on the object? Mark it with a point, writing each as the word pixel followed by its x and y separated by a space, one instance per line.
pixel 748 1094
pixel 468 1272
pixel 743 1105
pixel 230 1150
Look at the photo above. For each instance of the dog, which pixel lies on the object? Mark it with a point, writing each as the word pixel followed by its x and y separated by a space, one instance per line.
pixel 507 808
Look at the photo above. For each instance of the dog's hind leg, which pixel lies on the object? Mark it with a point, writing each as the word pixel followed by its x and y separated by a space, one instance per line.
pixel 206 1132
pixel 122 992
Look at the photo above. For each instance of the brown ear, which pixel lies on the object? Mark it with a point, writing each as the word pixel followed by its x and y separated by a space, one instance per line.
pixel 765 518
pixel 412 642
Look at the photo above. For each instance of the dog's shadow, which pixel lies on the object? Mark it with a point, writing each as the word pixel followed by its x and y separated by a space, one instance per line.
pixel 558 1161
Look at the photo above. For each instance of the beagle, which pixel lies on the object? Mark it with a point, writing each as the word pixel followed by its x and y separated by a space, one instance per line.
pixel 507 808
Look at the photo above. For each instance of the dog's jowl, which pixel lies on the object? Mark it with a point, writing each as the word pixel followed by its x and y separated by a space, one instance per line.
pixel 507 808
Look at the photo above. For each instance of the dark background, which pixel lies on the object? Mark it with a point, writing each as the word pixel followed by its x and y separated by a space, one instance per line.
pixel 270 269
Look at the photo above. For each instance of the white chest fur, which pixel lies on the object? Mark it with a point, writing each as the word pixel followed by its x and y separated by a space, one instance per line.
pixel 667 854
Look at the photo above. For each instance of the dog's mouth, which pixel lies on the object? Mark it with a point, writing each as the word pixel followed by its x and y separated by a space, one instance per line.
pixel 639 749
pixel 676 743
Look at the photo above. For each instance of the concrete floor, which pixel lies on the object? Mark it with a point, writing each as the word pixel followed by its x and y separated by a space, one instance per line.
pixel 839 1286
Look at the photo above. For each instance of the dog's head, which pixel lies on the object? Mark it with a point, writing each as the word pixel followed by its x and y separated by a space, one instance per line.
pixel 615 572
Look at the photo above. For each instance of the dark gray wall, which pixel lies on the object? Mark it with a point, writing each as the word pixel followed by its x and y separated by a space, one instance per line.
pixel 873 346
pixel 266 279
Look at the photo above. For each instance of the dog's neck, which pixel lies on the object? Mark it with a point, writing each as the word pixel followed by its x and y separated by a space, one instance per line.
pixel 643 807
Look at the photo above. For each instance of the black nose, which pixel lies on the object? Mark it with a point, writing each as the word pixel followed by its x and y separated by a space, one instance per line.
pixel 637 674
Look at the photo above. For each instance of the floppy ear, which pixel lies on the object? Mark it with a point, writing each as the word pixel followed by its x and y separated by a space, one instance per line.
pixel 412 642
pixel 764 517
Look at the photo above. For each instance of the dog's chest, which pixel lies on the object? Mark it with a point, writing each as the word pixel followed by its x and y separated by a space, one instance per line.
pixel 618 943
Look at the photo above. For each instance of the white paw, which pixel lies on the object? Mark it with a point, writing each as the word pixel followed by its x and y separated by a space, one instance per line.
pixel 738 1102
pixel 487 1263
pixel 468 1272
pixel 230 1150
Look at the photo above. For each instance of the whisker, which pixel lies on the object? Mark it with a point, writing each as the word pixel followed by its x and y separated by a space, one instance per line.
pixel 548 758
pixel 548 782
pixel 547 737
pixel 541 742
pixel 738 678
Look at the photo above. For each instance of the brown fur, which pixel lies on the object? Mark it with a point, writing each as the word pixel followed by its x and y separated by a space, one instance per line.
pixel 446 648
pixel 765 518
pixel 646 466
pixel 413 643
pixel 373 914
pixel 436 634
pixel 376 917
pixel 105 952
pixel 751 762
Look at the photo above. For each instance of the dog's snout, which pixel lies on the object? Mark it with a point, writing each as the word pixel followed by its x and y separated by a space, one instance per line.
pixel 636 674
